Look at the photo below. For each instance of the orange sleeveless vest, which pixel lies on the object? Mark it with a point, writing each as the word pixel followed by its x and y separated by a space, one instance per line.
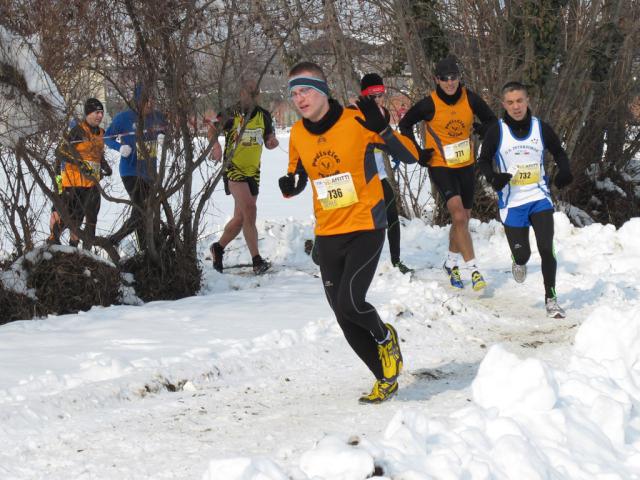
pixel 347 192
pixel 90 150
pixel 449 132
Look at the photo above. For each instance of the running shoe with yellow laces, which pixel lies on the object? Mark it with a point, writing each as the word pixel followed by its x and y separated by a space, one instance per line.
pixel 382 390
pixel 477 281
pixel 390 356
pixel 396 341
pixel 455 278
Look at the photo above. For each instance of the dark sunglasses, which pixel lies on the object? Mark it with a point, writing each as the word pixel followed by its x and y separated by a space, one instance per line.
pixel 377 95
pixel 448 78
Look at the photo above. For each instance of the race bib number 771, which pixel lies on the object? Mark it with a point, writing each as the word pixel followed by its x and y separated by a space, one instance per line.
pixel 457 153
pixel 336 191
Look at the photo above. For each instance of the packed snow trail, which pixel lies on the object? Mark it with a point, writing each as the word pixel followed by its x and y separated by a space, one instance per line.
pixel 293 392
pixel 257 366
pixel 253 379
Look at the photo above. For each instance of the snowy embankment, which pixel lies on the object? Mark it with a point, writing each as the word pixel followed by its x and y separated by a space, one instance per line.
pixel 253 379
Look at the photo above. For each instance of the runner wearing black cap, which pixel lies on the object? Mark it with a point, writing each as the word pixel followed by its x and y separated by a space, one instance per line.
pixel 82 163
pixel 448 114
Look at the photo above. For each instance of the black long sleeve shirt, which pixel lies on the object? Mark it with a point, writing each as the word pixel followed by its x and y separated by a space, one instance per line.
pixel 519 128
pixel 425 109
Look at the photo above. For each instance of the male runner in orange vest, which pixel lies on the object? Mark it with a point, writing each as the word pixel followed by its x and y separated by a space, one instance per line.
pixel 448 114
pixel 82 162
pixel 335 147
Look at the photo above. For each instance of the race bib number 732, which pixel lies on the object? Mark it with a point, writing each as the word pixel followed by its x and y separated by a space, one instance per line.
pixel 525 174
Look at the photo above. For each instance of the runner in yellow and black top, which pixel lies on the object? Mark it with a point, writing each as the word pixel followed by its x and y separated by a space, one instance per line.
pixel 449 154
pixel 242 177
pixel 245 164
pixel 81 158
pixel 335 148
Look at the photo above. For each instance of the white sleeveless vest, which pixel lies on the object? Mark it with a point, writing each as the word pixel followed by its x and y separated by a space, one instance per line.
pixel 524 159
pixel 382 171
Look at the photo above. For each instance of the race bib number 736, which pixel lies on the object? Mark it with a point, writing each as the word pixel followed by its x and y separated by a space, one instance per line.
pixel 336 191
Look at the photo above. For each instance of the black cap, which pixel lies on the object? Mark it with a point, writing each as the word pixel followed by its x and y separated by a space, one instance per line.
pixel 93 105
pixel 370 80
pixel 447 66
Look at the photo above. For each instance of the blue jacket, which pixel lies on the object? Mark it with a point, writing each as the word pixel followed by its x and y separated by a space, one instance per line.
pixel 124 124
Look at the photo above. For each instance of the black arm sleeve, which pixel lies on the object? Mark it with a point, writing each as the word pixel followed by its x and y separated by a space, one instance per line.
pixel 553 144
pixel 66 150
pixel 424 110
pixel 268 124
pixel 488 151
pixel 480 108
pixel 395 147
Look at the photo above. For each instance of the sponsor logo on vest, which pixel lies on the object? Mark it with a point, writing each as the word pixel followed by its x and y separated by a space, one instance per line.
pixel 327 162
pixel 455 128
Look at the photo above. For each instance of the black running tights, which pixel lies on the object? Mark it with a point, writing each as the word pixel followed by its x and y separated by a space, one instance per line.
pixel 518 237
pixel 348 263
pixel 393 223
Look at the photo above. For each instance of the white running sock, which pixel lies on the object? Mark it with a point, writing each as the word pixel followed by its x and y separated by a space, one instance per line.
pixel 453 259
pixel 469 267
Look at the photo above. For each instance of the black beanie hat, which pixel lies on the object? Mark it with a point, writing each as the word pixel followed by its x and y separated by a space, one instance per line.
pixel 93 105
pixel 447 66
pixel 369 80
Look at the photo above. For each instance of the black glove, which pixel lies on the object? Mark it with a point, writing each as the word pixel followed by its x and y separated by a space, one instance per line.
pixel 287 185
pixel 563 178
pixel 424 157
pixel 480 129
pixel 373 117
pixel 301 183
pixel 106 170
pixel 499 180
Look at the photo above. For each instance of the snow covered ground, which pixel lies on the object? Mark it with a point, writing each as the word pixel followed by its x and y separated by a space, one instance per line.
pixel 252 379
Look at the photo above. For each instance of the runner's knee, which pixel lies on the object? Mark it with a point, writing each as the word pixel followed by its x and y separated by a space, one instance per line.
pixel 350 306
pixel 459 217
pixel 236 221
pixel 249 213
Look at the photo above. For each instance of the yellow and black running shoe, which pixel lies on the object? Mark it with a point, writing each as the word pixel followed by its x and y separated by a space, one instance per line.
pixel 381 391
pixel 390 356
pixel 396 339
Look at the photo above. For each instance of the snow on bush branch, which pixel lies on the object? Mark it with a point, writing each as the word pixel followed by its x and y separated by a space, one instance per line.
pixel 28 96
